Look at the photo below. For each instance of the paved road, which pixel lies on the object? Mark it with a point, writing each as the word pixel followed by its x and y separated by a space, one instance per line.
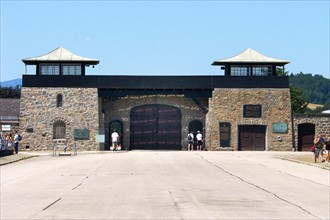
pixel 164 185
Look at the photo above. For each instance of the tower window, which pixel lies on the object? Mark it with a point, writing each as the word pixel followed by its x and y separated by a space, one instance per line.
pixel 49 69
pixel 71 69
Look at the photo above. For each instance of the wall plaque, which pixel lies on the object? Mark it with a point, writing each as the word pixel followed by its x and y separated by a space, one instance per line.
pixel 224 128
pixel 280 127
pixel 252 111
pixel 100 138
pixel 81 134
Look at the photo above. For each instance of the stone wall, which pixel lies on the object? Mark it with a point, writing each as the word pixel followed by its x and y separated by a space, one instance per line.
pixel 120 109
pixel 226 105
pixel 321 122
pixel 38 112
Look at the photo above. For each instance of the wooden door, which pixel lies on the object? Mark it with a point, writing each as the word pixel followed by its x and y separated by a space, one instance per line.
pixel 252 137
pixel 306 133
pixel 156 127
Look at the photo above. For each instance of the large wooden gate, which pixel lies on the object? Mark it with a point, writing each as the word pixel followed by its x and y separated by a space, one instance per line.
pixel 155 127
pixel 306 134
pixel 252 137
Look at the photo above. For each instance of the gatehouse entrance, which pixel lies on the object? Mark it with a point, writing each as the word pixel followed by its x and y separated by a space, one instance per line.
pixel 155 127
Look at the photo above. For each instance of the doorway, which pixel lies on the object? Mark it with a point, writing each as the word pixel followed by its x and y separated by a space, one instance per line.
pixel 155 127
pixel 252 137
pixel 306 133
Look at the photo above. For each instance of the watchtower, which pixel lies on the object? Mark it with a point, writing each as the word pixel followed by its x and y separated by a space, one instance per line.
pixel 254 112
pixel 52 115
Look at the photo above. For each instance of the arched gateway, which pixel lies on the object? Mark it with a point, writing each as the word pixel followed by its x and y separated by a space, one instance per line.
pixel 155 127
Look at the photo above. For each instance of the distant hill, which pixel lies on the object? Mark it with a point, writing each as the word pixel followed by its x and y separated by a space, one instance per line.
pixel 11 83
pixel 316 89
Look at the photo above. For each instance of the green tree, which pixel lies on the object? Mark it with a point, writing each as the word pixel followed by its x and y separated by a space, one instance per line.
pixel 10 92
pixel 298 103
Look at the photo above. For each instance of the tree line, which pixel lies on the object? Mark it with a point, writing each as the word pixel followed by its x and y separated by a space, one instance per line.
pixel 10 92
pixel 308 88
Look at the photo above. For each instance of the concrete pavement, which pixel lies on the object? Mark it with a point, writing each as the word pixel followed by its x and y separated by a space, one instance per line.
pixel 165 185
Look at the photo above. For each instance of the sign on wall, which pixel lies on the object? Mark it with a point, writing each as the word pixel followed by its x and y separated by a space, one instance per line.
pixel 100 138
pixel 280 127
pixel 6 127
pixel 224 128
pixel 81 134
pixel 252 111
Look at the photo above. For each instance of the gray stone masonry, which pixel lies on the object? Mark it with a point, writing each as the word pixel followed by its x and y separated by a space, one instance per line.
pixel 38 112
pixel 226 105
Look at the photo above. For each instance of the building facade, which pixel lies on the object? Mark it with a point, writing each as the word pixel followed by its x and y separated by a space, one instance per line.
pixel 247 108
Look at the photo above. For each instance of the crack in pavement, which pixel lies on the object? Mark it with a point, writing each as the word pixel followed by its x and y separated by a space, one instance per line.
pixel 252 184
pixel 280 171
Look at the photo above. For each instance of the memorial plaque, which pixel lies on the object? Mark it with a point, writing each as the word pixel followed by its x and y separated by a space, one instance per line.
pixel 252 111
pixel 280 127
pixel 81 134
pixel 224 128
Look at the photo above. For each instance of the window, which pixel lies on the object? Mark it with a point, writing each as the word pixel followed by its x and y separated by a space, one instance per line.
pixel 239 70
pixel 59 130
pixel 49 69
pixel 265 70
pixel 71 69
pixel 59 100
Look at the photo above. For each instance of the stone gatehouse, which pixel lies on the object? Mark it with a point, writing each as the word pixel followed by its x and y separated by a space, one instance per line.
pixel 245 108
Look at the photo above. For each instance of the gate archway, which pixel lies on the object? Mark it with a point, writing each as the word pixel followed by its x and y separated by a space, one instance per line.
pixel 155 127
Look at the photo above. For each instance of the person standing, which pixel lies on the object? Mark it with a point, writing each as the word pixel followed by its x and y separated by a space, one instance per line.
pixel 318 147
pixel 327 148
pixel 114 139
pixel 199 138
pixel 9 141
pixel 190 139
pixel 16 142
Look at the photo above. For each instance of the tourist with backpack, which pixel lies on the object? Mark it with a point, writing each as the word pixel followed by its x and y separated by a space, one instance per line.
pixel 190 139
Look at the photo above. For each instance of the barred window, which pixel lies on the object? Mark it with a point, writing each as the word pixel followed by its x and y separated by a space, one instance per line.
pixel 59 130
pixel 59 100
pixel 265 70
pixel 71 69
pixel 236 70
pixel 49 68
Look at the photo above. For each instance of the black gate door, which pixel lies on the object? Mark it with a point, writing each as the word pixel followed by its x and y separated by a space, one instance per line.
pixel 252 137
pixel 306 134
pixel 155 127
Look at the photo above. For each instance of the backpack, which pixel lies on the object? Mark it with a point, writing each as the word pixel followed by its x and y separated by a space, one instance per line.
pixel 189 137
pixel 19 137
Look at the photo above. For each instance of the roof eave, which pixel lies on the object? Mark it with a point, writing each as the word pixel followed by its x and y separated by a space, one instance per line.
pixel 222 63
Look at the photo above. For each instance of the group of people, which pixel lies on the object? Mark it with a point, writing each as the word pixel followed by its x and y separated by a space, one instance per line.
pixel 320 146
pixel 10 141
pixel 199 139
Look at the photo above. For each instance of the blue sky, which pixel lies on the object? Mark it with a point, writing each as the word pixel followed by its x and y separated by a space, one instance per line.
pixel 165 37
